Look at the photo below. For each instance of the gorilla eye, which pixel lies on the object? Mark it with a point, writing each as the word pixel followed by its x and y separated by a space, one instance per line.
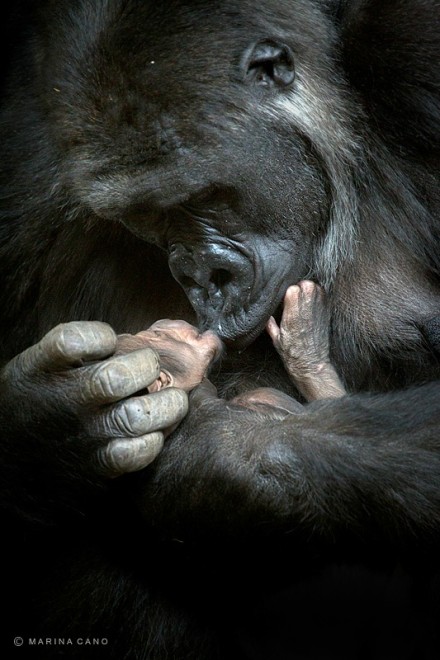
pixel 270 63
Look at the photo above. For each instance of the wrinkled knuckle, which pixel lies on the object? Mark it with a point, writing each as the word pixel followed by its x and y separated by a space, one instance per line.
pixel 132 418
pixel 93 334
pixel 152 360
pixel 117 458
pixel 138 369
pixel 111 459
pixel 78 339
pixel 118 422
pixel 105 381
pixel 100 329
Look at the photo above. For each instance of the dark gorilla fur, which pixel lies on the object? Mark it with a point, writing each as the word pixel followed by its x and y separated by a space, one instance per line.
pixel 132 129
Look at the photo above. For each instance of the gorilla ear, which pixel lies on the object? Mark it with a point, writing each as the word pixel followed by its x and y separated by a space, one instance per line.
pixel 269 63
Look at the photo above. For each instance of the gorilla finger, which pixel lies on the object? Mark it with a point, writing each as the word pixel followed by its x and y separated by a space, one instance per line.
pixel 123 455
pixel 69 344
pixel 145 414
pixel 120 377
pixel 273 330
pixel 311 295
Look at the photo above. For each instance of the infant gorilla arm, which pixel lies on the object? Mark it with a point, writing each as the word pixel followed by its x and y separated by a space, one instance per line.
pixel 302 341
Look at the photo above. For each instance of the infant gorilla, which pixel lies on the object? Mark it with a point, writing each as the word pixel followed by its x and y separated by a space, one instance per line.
pixel 302 341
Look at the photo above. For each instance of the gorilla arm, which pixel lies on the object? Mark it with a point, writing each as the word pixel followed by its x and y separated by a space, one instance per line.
pixel 364 464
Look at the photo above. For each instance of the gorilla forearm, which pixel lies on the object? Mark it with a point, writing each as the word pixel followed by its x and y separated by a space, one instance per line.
pixel 362 464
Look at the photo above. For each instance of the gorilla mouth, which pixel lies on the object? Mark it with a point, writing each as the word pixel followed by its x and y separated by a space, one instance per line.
pixel 240 328
pixel 233 291
pixel 237 338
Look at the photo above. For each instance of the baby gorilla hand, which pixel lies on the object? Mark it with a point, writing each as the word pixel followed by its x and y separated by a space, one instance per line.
pixel 185 354
pixel 73 387
pixel 302 341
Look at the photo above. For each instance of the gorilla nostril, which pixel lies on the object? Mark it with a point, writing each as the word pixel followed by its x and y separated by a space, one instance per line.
pixel 187 282
pixel 221 277
pixel 214 281
pixel 213 277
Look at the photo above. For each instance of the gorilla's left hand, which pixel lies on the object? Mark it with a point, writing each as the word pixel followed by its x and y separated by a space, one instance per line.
pixel 76 414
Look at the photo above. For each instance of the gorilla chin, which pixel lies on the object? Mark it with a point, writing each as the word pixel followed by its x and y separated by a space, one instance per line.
pixel 241 327
pixel 238 330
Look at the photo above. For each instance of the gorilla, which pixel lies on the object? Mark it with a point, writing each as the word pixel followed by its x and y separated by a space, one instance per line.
pixel 192 160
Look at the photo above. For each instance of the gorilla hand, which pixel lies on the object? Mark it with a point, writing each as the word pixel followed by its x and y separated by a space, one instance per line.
pixel 302 342
pixel 68 398
pixel 185 353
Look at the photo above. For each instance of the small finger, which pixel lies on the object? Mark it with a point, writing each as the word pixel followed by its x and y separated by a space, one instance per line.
pixel 120 377
pixel 123 455
pixel 214 344
pixel 291 293
pixel 273 329
pixel 70 344
pixel 141 415
pixel 309 287
pixel 269 397
pixel 173 324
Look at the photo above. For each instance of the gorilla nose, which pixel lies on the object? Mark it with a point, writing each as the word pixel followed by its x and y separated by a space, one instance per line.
pixel 215 278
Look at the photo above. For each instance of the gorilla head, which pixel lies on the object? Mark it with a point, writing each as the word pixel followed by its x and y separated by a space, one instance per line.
pixel 200 141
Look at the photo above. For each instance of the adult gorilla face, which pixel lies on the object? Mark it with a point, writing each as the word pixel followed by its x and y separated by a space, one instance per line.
pixel 191 154
pixel 234 246
pixel 244 236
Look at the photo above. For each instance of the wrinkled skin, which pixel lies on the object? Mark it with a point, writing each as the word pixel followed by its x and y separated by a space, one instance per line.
pixel 185 354
pixel 75 368
pixel 194 161
pixel 302 342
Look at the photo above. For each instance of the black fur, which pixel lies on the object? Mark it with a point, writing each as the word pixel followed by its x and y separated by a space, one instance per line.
pixel 134 129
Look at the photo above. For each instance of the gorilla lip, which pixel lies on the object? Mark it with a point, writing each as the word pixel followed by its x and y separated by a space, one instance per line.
pixel 244 334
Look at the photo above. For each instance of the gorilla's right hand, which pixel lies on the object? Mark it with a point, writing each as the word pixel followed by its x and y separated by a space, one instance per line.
pixel 71 409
